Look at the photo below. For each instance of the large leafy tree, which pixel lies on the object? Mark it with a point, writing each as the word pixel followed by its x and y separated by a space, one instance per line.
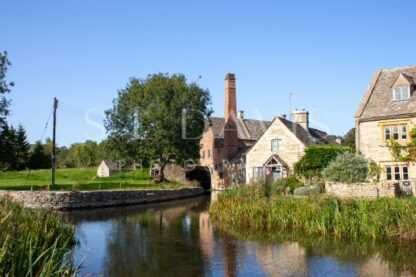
pixel 159 118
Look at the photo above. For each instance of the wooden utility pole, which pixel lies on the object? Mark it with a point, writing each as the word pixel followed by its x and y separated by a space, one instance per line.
pixel 55 107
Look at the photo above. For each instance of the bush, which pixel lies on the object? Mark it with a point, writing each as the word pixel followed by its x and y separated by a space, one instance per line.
pixel 347 168
pixel 317 158
pixel 290 182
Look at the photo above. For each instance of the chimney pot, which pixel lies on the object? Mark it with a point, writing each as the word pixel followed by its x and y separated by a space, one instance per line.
pixel 241 115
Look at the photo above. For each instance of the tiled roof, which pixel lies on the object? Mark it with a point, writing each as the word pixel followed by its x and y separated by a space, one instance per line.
pixel 378 101
pixel 308 137
pixel 114 166
pixel 248 129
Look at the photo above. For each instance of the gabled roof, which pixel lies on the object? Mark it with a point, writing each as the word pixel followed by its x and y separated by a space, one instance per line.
pixel 308 137
pixel 378 101
pixel 248 129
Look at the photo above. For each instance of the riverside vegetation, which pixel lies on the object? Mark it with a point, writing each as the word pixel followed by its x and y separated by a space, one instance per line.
pixel 34 243
pixel 254 208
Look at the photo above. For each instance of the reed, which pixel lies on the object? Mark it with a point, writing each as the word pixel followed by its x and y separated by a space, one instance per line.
pixel 34 243
pixel 318 215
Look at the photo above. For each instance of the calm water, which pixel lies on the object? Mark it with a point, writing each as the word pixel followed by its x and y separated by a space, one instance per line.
pixel 177 239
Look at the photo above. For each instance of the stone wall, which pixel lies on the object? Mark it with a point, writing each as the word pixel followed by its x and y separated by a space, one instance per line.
pixel 66 200
pixel 362 190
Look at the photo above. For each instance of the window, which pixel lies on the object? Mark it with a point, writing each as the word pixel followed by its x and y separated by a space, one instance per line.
pixel 276 144
pixel 203 154
pixel 258 172
pixel 403 130
pixel 209 153
pixel 396 173
pixel 216 167
pixel 395 132
pixel 405 173
pixel 387 134
pixel 388 173
pixel 401 93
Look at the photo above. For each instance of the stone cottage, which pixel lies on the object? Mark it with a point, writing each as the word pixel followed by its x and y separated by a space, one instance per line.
pixel 387 111
pixel 281 146
pixel 226 139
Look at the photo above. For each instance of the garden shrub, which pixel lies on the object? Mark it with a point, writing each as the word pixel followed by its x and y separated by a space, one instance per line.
pixel 317 158
pixel 290 182
pixel 347 168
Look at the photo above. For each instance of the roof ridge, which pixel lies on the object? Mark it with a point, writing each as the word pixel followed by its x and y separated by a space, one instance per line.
pixel 398 68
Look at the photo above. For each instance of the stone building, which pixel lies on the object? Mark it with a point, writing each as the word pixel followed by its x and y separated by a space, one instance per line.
pixel 387 111
pixel 226 139
pixel 107 168
pixel 281 146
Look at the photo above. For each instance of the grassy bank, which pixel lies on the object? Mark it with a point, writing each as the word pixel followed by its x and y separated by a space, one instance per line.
pixel 77 179
pixel 319 215
pixel 34 243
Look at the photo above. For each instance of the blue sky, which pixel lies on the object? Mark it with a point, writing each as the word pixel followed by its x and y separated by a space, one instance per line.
pixel 82 52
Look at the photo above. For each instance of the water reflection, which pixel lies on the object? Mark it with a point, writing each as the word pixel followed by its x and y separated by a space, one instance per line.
pixel 178 239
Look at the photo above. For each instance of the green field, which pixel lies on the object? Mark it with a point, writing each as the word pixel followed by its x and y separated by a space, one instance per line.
pixel 78 180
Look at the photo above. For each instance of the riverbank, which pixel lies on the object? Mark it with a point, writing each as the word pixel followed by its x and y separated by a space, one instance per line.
pixel 34 243
pixel 67 200
pixel 320 215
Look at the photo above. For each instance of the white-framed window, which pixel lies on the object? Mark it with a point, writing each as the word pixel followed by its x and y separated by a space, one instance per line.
pixel 276 144
pixel 387 134
pixel 401 93
pixel 258 172
pixel 388 173
pixel 403 130
pixel 396 132
pixel 397 172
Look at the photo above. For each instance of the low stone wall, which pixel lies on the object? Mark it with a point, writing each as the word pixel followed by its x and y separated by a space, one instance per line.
pixel 66 200
pixel 362 190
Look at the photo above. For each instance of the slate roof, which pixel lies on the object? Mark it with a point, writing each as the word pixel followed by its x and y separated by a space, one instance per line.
pixel 308 137
pixel 378 101
pixel 248 129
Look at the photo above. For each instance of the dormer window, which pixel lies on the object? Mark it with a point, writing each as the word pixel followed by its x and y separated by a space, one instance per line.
pixel 401 93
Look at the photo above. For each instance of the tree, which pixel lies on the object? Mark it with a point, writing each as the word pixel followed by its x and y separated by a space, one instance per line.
pixel 159 118
pixel 4 87
pixel 349 139
pixel 82 155
pixel 38 159
pixel 21 147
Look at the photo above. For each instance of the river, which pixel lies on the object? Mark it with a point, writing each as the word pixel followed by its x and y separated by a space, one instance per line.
pixel 177 239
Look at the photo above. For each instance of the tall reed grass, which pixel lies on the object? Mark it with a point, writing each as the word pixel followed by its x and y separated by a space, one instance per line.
pixel 34 243
pixel 318 215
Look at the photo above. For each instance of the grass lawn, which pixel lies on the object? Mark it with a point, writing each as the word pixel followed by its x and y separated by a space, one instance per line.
pixel 78 180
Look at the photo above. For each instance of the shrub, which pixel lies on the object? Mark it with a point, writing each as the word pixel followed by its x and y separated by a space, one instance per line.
pixel 316 158
pixel 347 168
pixel 290 182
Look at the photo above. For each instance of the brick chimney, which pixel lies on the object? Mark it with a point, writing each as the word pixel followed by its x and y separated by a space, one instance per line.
pixel 230 118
